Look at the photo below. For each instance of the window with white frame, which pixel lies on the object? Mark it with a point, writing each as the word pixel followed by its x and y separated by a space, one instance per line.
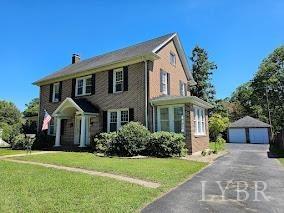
pixel 164 83
pixel 52 127
pixel 199 121
pixel 182 88
pixel 84 86
pixel 118 80
pixel 56 92
pixel 117 118
pixel 172 58
pixel 171 118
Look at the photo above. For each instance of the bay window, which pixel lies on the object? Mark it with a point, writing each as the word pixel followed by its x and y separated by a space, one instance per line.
pixel 199 121
pixel 171 118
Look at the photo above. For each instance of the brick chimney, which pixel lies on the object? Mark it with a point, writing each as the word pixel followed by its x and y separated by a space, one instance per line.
pixel 75 58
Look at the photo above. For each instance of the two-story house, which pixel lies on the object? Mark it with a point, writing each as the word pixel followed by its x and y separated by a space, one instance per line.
pixel 147 82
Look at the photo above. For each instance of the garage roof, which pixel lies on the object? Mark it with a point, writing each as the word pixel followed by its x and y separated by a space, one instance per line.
pixel 247 122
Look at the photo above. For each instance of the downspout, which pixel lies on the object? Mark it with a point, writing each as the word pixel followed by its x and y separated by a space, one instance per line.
pixel 146 92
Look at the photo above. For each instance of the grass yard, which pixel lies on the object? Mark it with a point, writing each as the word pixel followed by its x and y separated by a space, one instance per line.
pixel 29 188
pixel 168 172
pixel 10 152
pixel 281 161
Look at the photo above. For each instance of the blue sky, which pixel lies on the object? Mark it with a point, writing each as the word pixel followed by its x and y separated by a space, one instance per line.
pixel 39 37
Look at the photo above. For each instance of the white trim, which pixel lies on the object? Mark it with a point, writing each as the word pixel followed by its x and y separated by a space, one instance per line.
pixel 146 92
pixel 164 82
pixel 84 86
pixel 199 118
pixel 66 101
pixel 53 92
pixel 163 44
pixel 114 80
pixel 118 118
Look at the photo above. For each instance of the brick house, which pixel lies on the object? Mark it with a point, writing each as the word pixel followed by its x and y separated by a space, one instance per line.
pixel 147 82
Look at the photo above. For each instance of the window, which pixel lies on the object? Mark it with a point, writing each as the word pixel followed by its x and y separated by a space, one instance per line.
pixel 56 92
pixel 164 83
pixel 117 118
pixel 164 119
pixel 118 80
pixel 83 86
pixel 172 58
pixel 51 127
pixel 171 118
pixel 199 121
pixel 182 88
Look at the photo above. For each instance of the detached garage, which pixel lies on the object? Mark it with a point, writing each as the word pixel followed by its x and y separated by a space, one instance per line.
pixel 249 130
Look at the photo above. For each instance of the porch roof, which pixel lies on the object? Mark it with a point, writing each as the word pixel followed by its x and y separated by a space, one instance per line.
pixel 169 100
pixel 82 105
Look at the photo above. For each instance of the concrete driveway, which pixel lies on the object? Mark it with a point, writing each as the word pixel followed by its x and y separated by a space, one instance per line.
pixel 239 170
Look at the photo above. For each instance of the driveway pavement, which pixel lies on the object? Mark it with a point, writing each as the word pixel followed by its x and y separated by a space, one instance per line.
pixel 245 162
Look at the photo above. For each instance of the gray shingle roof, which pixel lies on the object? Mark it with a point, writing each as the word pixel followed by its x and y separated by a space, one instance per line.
pixel 247 122
pixel 108 58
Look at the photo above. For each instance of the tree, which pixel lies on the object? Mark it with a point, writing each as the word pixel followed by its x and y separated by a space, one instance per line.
pixel 217 125
pixel 202 70
pixel 32 108
pixel 10 120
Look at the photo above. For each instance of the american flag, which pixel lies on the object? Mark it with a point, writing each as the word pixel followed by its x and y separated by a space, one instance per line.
pixel 46 121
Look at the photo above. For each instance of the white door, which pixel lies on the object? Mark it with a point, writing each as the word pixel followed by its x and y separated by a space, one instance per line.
pixel 237 135
pixel 258 135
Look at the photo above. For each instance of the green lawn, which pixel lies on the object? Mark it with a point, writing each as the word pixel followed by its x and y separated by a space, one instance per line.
pixel 10 152
pixel 166 171
pixel 33 188
pixel 29 188
pixel 281 161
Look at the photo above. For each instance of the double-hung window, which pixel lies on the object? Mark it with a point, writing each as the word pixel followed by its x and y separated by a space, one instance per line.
pixel 56 92
pixel 117 118
pixel 172 58
pixel 171 118
pixel 164 83
pixel 182 88
pixel 118 80
pixel 52 127
pixel 84 86
pixel 199 121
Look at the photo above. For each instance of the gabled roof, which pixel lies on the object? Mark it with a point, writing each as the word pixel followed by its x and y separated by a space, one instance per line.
pixel 247 122
pixel 142 51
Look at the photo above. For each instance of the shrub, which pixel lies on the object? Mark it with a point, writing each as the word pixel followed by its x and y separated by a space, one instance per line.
pixel 22 142
pixel 217 125
pixel 43 141
pixel 166 144
pixel 130 140
pixel 218 145
pixel 102 142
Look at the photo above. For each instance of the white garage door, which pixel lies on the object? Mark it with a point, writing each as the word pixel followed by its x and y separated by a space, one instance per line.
pixel 237 135
pixel 258 135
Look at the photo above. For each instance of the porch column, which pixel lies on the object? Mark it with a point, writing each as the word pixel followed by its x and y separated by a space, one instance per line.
pixel 83 132
pixel 58 131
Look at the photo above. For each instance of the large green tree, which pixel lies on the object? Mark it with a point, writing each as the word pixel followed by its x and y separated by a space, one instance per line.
pixel 32 108
pixel 10 120
pixel 202 70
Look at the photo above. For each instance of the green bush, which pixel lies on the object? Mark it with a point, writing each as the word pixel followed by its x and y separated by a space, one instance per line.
pixel 218 145
pixel 22 142
pixel 43 141
pixel 130 140
pixel 10 131
pixel 102 142
pixel 166 144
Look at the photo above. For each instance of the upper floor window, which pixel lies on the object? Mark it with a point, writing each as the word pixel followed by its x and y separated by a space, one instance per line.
pixel 56 92
pixel 172 58
pixel 164 82
pixel 118 80
pixel 199 121
pixel 84 86
pixel 182 88
pixel 117 118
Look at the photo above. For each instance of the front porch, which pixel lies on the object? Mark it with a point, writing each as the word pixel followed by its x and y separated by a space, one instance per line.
pixel 74 120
